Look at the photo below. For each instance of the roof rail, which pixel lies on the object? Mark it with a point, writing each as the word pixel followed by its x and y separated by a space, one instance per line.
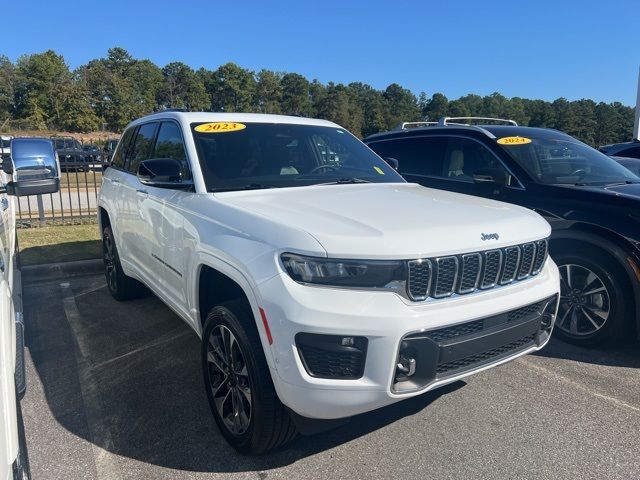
pixel 444 121
pixel 407 125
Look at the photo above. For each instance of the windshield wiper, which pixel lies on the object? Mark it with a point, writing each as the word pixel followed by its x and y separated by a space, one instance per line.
pixel 624 182
pixel 250 186
pixel 344 181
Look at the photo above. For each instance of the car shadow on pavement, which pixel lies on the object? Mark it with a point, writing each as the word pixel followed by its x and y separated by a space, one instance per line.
pixel 138 365
pixel 626 354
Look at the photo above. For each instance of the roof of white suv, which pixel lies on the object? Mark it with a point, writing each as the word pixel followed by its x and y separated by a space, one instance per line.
pixel 195 117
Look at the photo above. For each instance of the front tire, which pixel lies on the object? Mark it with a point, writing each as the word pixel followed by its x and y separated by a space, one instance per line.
pixel 238 382
pixel 593 289
pixel 121 287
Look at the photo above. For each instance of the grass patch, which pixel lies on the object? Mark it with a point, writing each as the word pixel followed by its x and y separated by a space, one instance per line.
pixel 65 243
pixel 90 179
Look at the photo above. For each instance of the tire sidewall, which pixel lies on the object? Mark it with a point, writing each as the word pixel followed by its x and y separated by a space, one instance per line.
pixel 609 273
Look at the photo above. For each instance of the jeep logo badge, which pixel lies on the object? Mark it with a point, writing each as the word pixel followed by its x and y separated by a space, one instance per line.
pixel 489 236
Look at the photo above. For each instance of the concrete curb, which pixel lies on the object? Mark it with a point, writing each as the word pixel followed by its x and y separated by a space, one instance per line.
pixel 56 271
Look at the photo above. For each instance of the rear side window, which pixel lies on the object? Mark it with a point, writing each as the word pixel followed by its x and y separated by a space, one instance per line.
pixel 120 153
pixel 142 145
pixel 417 156
pixel 170 144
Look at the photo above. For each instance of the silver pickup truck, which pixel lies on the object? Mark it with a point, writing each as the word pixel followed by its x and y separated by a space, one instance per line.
pixel 32 168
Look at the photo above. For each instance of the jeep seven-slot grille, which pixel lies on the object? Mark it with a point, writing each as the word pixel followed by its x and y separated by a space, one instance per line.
pixel 443 276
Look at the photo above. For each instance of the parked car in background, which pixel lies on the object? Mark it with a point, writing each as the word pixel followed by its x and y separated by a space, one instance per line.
pixel 625 149
pixel 322 285
pixel 5 145
pixel 631 164
pixel 109 147
pixel 31 169
pixel 71 155
pixel 93 154
pixel 591 202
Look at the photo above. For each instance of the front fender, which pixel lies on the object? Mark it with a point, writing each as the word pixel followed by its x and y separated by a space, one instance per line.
pixel 204 258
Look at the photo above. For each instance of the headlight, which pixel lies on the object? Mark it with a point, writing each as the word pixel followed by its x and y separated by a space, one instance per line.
pixel 345 273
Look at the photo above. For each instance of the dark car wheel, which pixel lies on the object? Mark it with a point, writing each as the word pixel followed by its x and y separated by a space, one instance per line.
pixel 121 286
pixel 593 288
pixel 238 382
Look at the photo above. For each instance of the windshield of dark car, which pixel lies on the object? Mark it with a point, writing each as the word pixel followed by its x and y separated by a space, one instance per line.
pixel 566 161
pixel 284 155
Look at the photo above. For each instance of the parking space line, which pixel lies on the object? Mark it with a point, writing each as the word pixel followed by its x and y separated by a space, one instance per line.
pixel 106 463
pixel 561 378
pixel 167 338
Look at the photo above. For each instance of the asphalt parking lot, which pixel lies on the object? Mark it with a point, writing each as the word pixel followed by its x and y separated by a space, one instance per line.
pixel 115 392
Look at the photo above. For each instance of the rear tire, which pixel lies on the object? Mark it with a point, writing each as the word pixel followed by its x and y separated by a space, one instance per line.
pixel 238 382
pixel 121 287
pixel 594 289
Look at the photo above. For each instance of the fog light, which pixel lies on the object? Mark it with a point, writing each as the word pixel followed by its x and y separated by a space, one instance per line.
pixel 332 356
pixel 348 341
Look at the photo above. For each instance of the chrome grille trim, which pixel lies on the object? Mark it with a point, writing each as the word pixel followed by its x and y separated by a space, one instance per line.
pixel 445 285
pixel 417 288
pixel 489 280
pixel 469 260
pixel 466 273
pixel 542 252
pixel 527 260
pixel 510 265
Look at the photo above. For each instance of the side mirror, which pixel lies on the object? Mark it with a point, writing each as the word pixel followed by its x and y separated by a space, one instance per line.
pixel 34 166
pixel 491 176
pixel 162 172
pixel 393 162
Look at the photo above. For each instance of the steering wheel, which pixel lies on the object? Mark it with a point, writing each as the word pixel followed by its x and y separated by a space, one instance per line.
pixel 580 171
pixel 320 168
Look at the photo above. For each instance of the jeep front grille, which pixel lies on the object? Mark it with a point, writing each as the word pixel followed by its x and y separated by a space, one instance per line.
pixel 460 274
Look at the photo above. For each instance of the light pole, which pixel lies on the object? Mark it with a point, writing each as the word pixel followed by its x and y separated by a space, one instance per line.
pixel 636 123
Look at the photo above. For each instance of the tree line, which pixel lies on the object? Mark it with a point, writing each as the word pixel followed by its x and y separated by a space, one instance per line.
pixel 39 91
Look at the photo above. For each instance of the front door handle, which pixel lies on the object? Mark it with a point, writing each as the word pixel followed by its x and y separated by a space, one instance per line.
pixel 4 203
pixel 142 191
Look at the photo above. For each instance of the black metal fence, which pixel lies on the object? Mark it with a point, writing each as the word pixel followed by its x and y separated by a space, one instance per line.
pixel 75 202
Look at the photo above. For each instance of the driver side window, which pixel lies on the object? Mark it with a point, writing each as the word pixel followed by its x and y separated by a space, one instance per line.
pixel 464 158
pixel 169 144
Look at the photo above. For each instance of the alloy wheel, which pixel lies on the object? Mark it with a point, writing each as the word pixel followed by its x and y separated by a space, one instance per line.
pixel 230 383
pixel 585 303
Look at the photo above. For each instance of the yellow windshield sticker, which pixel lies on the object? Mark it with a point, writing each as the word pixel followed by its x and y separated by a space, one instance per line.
pixel 378 169
pixel 514 140
pixel 220 127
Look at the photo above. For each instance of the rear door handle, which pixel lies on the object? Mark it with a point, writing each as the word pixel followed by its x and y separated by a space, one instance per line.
pixel 4 203
pixel 113 180
pixel 142 191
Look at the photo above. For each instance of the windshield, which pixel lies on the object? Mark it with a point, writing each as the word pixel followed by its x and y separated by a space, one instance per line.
pixel 566 162
pixel 266 155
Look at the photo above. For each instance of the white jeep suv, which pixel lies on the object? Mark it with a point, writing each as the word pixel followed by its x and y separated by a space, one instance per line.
pixel 321 283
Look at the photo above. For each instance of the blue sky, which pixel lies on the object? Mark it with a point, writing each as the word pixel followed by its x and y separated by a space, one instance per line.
pixel 535 49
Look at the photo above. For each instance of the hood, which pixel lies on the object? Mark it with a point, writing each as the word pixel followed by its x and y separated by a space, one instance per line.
pixel 619 195
pixel 393 221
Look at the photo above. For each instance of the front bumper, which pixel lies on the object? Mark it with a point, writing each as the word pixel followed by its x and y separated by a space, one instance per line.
pixel 386 319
